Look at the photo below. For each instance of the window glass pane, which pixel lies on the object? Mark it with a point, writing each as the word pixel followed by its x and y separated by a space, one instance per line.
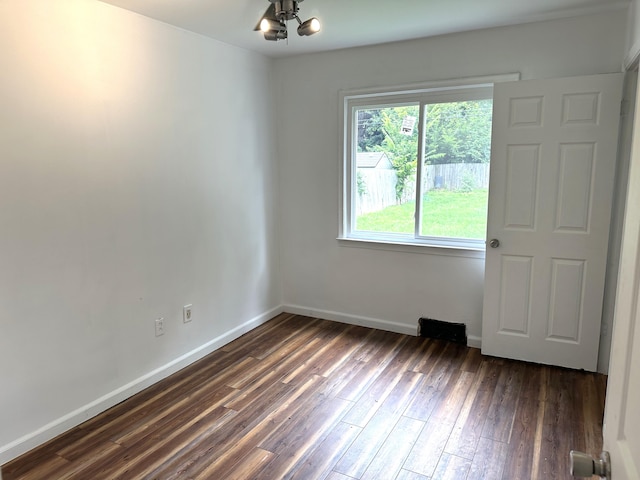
pixel 455 175
pixel 385 169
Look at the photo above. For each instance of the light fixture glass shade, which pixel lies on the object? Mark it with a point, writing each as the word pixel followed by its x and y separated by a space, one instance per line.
pixel 270 25
pixel 309 27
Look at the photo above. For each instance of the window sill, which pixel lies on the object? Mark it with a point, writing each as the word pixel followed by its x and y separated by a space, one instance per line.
pixel 409 247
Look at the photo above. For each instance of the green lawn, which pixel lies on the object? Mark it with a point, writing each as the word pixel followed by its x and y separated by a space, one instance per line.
pixel 445 214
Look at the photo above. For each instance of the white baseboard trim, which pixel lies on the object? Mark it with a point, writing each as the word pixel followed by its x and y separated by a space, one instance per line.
pixel 472 340
pixel 47 432
pixel 353 319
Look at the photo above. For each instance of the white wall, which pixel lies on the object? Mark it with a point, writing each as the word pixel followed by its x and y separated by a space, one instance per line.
pixel 390 288
pixel 137 174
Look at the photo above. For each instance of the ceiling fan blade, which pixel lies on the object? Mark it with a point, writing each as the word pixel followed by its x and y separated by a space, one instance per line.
pixel 269 13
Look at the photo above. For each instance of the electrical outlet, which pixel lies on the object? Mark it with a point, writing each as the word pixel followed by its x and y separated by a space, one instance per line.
pixel 159 326
pixel 186 313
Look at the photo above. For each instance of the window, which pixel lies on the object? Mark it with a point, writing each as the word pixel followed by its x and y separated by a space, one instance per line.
pixel 416 165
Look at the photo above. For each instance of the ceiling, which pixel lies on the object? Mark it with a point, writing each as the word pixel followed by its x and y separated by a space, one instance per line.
pixel 351 23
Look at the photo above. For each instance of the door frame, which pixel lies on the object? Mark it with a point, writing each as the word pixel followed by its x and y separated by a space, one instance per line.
pixel 626 314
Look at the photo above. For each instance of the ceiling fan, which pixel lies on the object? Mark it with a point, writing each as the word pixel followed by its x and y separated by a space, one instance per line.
pixel 273 23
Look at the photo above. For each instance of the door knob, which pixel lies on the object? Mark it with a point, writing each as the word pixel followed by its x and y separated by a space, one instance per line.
pixel 585 466
pixel 494 243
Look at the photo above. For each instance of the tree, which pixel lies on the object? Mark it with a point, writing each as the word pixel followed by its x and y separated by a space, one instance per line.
pixel 370 132
pixel 456 132
pixel 379 130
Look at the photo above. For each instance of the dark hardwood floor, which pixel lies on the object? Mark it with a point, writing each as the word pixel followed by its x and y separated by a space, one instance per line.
pixel 303 398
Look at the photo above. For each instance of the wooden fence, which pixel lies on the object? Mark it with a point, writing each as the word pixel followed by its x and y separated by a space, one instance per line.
pixel 377 187
pixel 457 176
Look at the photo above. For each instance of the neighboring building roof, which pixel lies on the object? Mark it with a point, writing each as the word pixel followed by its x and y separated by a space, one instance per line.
pixel 372 160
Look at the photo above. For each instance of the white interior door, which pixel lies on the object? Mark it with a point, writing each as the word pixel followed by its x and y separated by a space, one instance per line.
pixel 552 172
pixel 621 418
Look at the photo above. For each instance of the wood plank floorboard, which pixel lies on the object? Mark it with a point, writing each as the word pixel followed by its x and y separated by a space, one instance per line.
pixel 304 398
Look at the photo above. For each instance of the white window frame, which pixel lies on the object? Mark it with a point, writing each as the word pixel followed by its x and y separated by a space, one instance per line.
pixel 423 94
